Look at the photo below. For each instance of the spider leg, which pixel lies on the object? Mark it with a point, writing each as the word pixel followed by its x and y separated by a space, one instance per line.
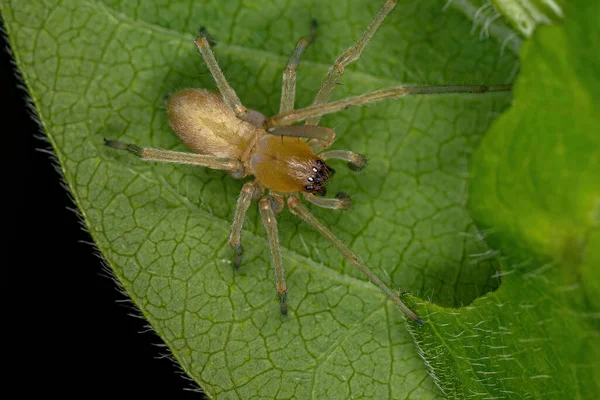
pixel 235 167
pixel 340 202
pixel 356 162
pixel 235 237
pixel 265 206
pixel 396 92
pixel 321 137
pixel 288 83
pixel 229 95
pixel 302 212
pixel 347 57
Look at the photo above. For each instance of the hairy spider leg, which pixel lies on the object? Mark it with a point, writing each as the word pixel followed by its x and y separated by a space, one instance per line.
pixel 307 113
pixel 247 193
pixel 356 162
pixel 321 135
pixel 231 98
pixel 347 57
pixel 267 213
pixel 297 208
pixel 179 157
pixel 341 201
pixel 288 82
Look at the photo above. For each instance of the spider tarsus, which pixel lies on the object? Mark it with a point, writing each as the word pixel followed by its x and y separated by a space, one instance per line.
pixel 357 163
pixel 237 257
pixel 344 201
pixel 237 261
pixel 283 302
pixel 204 33
pixel 354 167
pixel 117 144
pixel 413 317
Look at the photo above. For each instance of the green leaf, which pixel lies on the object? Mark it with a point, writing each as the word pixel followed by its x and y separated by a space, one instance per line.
pixel 536 194
pixel 101 69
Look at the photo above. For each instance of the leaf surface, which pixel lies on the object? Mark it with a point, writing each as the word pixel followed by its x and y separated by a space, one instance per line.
pixel 101 69
pixel 536 195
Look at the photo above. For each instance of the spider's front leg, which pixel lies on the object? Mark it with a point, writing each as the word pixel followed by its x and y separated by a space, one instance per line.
pixel 268 206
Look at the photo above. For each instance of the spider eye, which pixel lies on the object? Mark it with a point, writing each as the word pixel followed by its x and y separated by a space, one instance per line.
pixel 319 163
pixel 311 179
pixel 314 169
pixel 309 187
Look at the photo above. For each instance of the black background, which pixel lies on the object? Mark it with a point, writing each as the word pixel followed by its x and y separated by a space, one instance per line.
pixel 66 329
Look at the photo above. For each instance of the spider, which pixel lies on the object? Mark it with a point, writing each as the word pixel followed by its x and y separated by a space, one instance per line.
pixel 225 135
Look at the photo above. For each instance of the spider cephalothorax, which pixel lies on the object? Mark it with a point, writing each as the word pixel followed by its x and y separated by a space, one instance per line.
pixel 286 164
pixel 286 159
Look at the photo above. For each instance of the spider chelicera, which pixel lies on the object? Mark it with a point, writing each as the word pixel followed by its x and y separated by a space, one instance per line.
pixel 225 135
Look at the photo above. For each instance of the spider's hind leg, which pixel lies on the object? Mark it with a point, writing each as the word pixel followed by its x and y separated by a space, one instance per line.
pixel 179 157
pixel 231 98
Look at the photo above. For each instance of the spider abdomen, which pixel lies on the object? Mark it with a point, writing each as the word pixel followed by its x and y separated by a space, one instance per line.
pixel 207 126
